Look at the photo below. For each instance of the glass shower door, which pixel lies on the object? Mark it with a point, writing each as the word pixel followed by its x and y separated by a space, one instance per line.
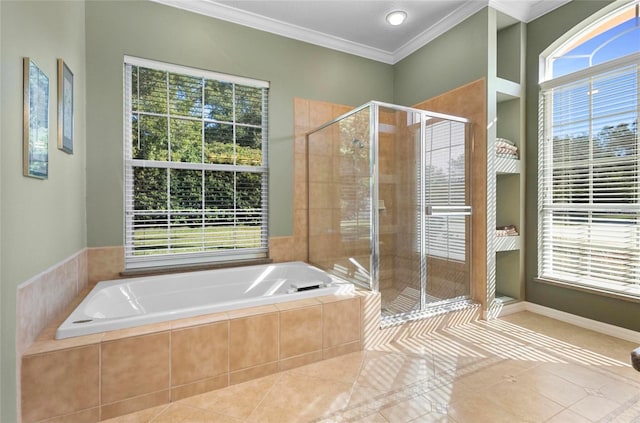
pixel 447 217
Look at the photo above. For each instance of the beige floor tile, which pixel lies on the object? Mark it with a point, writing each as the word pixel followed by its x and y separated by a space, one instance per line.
pixel 144 416
pixel 406 411
pixel 568 416
pixel 433 417
pixel 443 396
pixel 491 374
pixel 477 409
pixel 363 394
pixel 392 371
pixel 372 418
pixel 237 401
pixel 606 345
pixel 553 387
pixel 629 413
pixel 583 376
pixel 302 398
pixel 523 402
pixel 177 413
pixel 620 391
pixel 594 407
pixel 345 368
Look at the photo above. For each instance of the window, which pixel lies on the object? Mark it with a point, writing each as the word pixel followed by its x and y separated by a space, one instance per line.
pixel 589 160
pixel 195 165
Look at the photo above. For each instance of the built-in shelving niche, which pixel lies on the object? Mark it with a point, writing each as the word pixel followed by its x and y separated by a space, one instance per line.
pixel 509 172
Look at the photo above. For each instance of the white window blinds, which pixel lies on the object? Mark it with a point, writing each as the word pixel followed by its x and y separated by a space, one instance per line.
pixel 589 175
pixel 445 186
pixel 195 165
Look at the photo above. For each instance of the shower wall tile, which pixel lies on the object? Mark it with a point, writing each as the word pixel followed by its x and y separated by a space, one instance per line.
pixel 300 196
pixel 134 366
pixel 301 114
pixel 323 195
pixel 327 247
pixel 281 249
pixel 300 226
pixel 320 113
pixel 47 388
pixel 320 144
pixel 300 144
pixel 299 167
pixel 321 168
pixel 105 263
pixel 199 353
pixel 324 151
pixel 322 221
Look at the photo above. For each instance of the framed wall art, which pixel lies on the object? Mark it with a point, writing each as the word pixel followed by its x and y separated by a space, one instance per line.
pixel 36 121
pixel 65 107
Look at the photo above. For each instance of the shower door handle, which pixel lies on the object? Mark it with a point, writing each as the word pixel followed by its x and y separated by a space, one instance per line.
pixel 448 210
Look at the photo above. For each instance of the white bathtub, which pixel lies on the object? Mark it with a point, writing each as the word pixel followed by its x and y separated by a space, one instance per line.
pixel 139 301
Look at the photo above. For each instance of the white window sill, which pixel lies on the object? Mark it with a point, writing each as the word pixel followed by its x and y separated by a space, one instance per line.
pixel 630 293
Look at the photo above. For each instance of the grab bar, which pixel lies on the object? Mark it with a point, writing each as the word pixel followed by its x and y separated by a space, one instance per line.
pixel 448 210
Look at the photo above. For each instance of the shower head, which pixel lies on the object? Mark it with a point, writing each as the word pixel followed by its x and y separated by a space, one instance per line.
pixel 357 143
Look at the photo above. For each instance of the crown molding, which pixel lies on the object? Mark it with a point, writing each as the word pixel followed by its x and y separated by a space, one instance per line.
pixel 524 11
pixel 263 23
pixel 464 11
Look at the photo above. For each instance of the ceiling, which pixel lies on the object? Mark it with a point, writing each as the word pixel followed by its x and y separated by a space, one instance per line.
pixel 358 26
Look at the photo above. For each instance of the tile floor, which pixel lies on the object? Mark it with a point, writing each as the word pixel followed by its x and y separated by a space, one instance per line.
pixel 520 368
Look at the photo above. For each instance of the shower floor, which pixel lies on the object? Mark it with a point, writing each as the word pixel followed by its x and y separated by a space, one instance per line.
pixel 405 300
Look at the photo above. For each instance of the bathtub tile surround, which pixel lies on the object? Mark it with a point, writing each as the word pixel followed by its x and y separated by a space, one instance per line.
pixel 301 331
pixel 105 263
pixel 341 323
pixel 127 370
pixel 134 366
pixel 60 382
pixel 194 356
pixel 253 341
pixel 43 297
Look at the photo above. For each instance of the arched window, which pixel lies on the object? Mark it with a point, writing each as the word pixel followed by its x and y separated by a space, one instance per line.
pixel 589 155
pixel 615 35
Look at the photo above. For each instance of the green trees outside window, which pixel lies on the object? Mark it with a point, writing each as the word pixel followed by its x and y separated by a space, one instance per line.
pixel 197 164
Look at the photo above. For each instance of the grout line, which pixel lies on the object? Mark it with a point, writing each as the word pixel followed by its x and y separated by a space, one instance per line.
pixel 100 381
pixel 170 366
pixel 228 352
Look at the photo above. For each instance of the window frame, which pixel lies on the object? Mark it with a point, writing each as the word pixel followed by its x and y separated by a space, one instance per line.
pixel 545 154
pixel 180 259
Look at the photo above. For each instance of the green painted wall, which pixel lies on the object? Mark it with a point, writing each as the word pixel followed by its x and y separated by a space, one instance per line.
pixel 540 34
pixel 438 67
pixel 43 222
pixel 1 296
pixel 158 32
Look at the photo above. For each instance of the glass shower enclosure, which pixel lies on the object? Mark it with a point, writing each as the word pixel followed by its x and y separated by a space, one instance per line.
pixel 389 205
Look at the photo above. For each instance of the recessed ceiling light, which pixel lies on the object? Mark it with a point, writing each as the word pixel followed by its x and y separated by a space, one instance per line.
pixel 396 17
